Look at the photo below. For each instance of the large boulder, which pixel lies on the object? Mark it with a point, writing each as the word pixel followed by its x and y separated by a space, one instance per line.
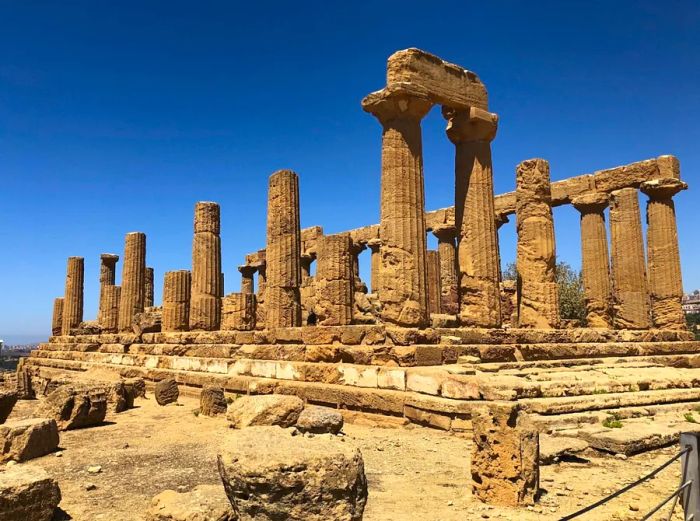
pixel 270 409
pixel 75 406
pixel 27 493
pixel 8 399
pixel 166 391
pixel 270 474
pixel 319 420
pixel 212 401
pixel 202 503
pixel 22 440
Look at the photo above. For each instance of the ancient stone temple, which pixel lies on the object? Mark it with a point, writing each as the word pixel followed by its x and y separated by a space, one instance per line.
pixel 430 335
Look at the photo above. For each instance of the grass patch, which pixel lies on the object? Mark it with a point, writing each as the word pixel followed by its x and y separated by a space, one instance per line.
pixel 612 421
pixel 600 391
pixel 689 417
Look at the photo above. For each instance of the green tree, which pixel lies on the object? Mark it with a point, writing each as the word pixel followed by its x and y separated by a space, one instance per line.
pixel 572 305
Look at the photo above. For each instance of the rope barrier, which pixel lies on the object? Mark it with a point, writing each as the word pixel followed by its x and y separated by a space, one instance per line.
pixel 669 498
pixel 629 486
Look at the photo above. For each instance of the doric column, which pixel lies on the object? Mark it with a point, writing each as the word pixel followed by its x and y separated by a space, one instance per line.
pixel 538 296
pixel 432 261
pixel 108 265
pixel 57 317
pixel 595 260
pixel 449 302
pixel 501 219
pixel 73 297
pixel 205 304
pixel 148 291
pixel 663 257
pixel 247 274
pixel 356 248
pixel 283 251
pixel 334 281
pixel 108 317
pixel 402 271
pixel 630 294
pixel 374 245
pixel 260 315
pixel 176 300
pixel 133 279
pixel 477 242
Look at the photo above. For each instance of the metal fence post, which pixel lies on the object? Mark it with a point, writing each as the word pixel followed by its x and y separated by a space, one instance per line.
pixel 691 463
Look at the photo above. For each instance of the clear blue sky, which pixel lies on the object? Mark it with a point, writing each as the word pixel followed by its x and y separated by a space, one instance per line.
pixel 118 116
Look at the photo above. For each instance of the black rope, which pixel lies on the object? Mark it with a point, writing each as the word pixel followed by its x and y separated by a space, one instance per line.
pixel 683 476
pixel 626 487
pixel 669 498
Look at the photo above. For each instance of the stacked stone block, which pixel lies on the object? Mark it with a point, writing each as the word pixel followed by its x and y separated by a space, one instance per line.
pixel 73 297
pixel 176 301
pixel 538 297
pixel 205 306
pixel 283 252
pixel 238 312
pixel 108 317
pixel 133 287
pixel 334 281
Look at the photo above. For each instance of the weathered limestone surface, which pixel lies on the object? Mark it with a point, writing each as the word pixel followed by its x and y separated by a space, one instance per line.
pixel 27 493
pixel 108 268
pixel 8 399
pixel 320 420
pixel 505 456
pixel 212 401
pixel 205 304
pixel 57 317
pixel 202 503
pixel 663 257
pixel 595 259
pixel 108 317
pixel 148 292
pixel 247 282
pixel 449 296
pixel 402 275
pixel 238 312
pixel 176 301
pixel 272 409
pixel 283 252
pixel 538 298
pixel 630 294
pixel 334 281
pixel 477 242
pixel 166 391
pixel 22 440
pixel 434 291
pixel 74 407
pixel 269 474
pixel 133 279
pixel 73 297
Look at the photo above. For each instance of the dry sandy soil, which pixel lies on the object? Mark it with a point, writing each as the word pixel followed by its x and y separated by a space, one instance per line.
pixel 413 473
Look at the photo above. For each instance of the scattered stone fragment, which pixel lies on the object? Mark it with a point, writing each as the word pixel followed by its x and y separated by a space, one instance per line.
pixel 94 469
pixel 74 407
pixel 90 486
pixel 27 493
pixel 166 391
pixel 552 448
pixel 271 409
pixel 212 401
pixel 202 503
pixel 320 420
pixel 8 399
pixel 22 440
pixel 268 474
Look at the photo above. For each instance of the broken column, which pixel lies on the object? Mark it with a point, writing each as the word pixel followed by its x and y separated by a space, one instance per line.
pixel 57 317
pixel 247 282
pixel 449 302
pixel 108 269
pixel 477 242
pixel 133 279
pixel 403 291
pixel 334 281
pixel 433 264
pixel 663 257
pixel 630 294
pixel 148 295
pixel 176 301
pixel 238 312
pixel 595 260
pixel 205 304
pixel 283 252
pixel 108 317
pixel 73 297
pixel 538 296
pixel 505 456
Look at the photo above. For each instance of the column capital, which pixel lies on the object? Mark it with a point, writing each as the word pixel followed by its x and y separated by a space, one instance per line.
pixel 247 270
pixel 501 219
pixel 593 202
pixel 445 233
pixel 109 257
pixel 357 247
pixel 664 188
pixel 397 102
pixel 474 124
pixel 374 245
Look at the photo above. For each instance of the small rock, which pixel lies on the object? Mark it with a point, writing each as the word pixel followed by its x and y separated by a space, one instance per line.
pixel 212 401
pixel 166 391
pixel 90 486
pixel 621 456
pixel 320 420
pixel 634 507
pixel 94 469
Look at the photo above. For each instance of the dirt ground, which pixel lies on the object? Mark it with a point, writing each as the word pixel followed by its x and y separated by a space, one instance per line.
pixel 413 473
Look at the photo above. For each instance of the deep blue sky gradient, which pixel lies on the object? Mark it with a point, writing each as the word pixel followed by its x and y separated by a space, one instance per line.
pixel 118 116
